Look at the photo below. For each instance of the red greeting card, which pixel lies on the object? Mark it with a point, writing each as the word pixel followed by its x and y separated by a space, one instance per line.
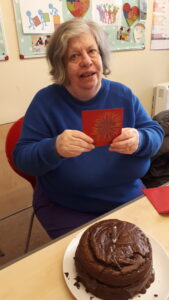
pixel 103 125
pixel 159 197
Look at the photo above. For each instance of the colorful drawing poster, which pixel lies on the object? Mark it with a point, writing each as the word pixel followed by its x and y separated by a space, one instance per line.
pixel 78 8
pixel 40 17
pixel 107 12
pixel 160 25
pixel 123 20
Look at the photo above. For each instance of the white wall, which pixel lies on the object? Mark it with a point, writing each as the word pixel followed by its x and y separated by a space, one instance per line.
pixel 21 79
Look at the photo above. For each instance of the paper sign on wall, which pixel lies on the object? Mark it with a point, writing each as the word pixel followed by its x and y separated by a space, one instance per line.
pixel 39 17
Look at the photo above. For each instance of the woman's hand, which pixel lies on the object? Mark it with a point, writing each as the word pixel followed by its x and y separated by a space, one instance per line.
pixel 127 142
pixel 71 143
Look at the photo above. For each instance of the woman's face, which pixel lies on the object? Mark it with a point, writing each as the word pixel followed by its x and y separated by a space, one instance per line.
pixel 83 67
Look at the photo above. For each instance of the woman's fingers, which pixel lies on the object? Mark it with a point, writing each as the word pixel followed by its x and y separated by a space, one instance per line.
pixel 72 143
pixel 127 142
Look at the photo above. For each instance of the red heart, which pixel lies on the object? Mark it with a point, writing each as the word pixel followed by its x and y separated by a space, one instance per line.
pixel 131 14
pixel 78 8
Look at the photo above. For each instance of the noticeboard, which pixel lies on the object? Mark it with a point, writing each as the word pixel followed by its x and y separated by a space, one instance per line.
pixel 123 20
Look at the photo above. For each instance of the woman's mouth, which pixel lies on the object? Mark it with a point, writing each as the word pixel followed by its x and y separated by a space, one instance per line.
pixel 87 74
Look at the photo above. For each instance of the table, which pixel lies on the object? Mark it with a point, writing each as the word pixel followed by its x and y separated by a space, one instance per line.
pixel 39 276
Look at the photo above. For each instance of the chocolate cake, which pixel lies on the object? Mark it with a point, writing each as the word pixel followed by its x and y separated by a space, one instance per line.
pixel 114 260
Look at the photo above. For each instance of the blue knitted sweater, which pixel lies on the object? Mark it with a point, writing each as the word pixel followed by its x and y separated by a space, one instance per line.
pixel 95 181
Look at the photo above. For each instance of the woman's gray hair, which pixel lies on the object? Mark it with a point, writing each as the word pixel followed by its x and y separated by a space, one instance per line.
pixel 59 41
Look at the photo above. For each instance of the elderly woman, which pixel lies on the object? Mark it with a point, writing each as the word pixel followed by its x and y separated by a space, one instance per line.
pixel 77 181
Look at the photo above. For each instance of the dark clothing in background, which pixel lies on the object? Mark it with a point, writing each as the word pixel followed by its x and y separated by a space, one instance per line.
pixel 158 173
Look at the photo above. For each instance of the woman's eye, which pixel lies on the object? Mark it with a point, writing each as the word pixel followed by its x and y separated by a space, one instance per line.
pixel 74 56
pixel 93 52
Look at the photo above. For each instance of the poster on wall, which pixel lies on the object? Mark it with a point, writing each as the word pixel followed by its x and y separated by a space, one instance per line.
pixel 160 25
pixel 3 46
pixel 38 17
pixel 35 21
pixel 123 20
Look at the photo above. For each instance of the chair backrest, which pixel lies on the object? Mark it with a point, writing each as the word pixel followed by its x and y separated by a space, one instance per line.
pixel 11 140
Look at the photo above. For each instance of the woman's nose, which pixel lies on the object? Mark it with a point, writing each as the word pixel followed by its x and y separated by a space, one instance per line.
pixel 85 59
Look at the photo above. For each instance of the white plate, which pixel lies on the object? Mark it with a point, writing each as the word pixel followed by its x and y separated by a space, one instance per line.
pixel 159 287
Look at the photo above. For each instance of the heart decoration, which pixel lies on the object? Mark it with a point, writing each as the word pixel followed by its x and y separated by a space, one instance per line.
pixel 78 8
pixel 131 14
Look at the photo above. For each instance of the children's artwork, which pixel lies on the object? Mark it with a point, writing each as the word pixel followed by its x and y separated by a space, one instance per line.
pixel 123 33
pixel 78 8
pixel 139 30
pixel 3 47
pixel 123 21
pixel 103 125
pixel 35 21
pixel 38 16
pixel 119 19
pixel 107 12
pixel 131 13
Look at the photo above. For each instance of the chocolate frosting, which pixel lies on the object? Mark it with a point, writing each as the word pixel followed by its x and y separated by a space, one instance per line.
pixel 130 243
pixel 116 254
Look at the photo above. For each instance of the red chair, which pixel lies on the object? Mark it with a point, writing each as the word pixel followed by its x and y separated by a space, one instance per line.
pixel 11 140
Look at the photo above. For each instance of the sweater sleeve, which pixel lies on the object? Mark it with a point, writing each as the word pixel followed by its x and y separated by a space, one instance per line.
pixel 151 134
pixel 35 153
